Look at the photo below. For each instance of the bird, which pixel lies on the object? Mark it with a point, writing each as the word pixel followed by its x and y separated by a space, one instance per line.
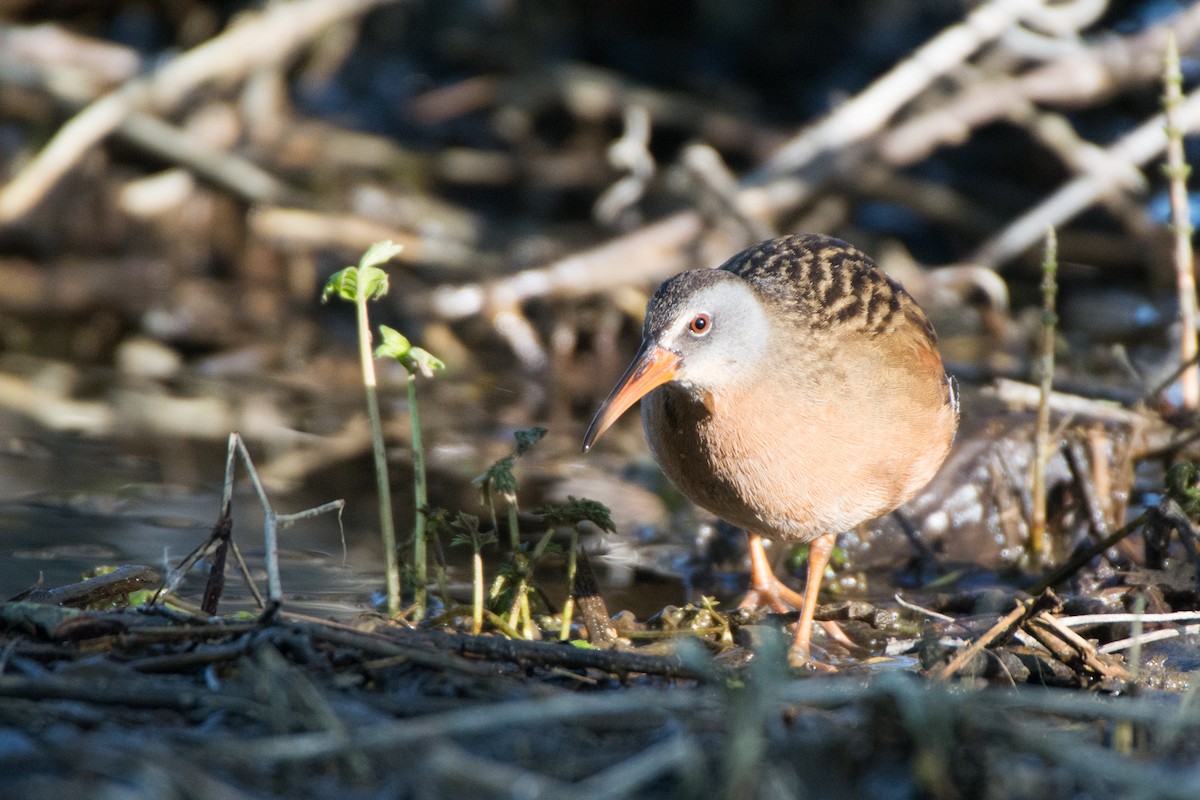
pixel 796 391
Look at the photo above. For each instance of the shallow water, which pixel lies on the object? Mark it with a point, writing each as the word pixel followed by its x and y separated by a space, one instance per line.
pixel 69 505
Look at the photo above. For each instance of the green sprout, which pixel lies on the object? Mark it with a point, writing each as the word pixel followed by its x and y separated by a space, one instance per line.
pixel 500 480
pixel 573 513
pixel 466 527
pixel 414 360
pixel 357 285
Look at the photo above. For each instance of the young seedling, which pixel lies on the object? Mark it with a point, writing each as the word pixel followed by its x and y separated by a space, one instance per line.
pixel 466 528
pixel 357 285
pixel 437 523
pixel 500 480
pixel 414 360
pixel 573 513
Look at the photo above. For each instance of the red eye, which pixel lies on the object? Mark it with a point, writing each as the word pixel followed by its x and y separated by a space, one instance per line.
pixel 700 324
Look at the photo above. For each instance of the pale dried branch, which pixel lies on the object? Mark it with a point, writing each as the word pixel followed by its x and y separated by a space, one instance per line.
pixel 1139 146
pixel 1177 170
pixel 1083 77
pixel 872 108
pixel 649 253
pixel 257 40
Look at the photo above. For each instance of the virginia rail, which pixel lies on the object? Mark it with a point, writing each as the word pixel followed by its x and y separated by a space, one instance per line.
pixel 795 392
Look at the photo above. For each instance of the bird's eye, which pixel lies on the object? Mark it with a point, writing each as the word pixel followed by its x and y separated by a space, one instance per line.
pixel 700 324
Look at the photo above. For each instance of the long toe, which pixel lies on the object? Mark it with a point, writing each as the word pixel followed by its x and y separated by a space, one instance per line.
pixel 773 594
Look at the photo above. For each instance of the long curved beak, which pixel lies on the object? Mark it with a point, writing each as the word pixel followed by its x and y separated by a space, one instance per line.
pixel 653 366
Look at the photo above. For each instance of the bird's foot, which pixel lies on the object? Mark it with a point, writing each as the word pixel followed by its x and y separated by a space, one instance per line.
pixel 801 658
pixel 774 594
pixel 782 599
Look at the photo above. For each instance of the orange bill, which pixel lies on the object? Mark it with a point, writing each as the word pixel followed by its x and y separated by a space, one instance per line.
pixel 653 366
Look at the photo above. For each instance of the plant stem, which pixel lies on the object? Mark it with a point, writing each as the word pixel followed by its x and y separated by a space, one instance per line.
pixel 386 526
pixel 1041 449
pixel 519 614
pixel 514 532
pixel 443 583
pixel 477 596
pixel 420 550
pixel 569 606
pixel 501 625
pixel 1177 170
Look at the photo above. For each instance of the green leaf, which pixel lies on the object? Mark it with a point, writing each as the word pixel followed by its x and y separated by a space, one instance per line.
pixel 466 523
pixel 528 438
pixel 1181 484
pixel 341 283
pixel 379 253
pixel 394 344
pixel 437 519
pixel 575 511
pixel 499 477
pixel 414 359
pixel 421 360
pixel 344 283
pixel 375 282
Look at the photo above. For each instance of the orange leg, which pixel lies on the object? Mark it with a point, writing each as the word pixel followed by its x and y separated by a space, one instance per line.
pixel 765 588
pixel 819 551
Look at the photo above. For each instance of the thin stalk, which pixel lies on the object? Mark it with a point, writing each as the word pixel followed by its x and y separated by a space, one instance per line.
pixel 568 611
pixel 1124 735
pixel 443 583
pixel 514 532
pixel 420 548
pixel 1041 454
pixel 477 587
pixel 519 613
pixel 501 624
pixel 1177 171
pixel 386 526
pixel 526 615
pixel 1080 558
pixel 439 564
pixel 491 504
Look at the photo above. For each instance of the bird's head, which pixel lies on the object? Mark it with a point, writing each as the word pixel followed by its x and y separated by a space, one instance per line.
pixel 705 330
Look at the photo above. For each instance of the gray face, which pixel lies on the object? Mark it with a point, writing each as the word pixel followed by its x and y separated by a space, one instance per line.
pixel 714 322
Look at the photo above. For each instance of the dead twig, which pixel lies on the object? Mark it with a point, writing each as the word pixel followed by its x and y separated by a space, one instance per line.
pixel 997 634
pixel 870 109
pixel 1137 147
pixel 1082 77
pixel 1177 171
pixel 1072 649
pixel 101 588
pixel 647 254
pixel 560 708
pixel 255 41
pixel 1041 448
pixel 1075 562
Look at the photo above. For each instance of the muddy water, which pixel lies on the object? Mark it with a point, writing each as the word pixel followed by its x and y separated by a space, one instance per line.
pixel 70 504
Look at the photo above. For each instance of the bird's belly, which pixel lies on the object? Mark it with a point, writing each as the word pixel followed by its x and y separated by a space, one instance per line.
pixel 783 479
